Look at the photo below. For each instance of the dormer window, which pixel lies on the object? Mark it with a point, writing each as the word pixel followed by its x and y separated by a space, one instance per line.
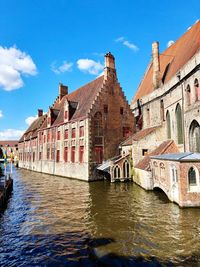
pixel 66 111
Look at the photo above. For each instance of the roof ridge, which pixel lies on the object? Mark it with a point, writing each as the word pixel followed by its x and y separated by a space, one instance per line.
pixel 98 78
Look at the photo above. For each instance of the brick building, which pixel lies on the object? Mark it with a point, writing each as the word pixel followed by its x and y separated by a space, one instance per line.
pixel 168 96
pixel 80 130
pixel 166 108
pixel 178 176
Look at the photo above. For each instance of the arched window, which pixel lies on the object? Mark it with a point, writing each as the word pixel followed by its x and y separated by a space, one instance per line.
pixel 192 179
pixel 162 110
pixel 194 136
pixel 168 121
pixel 188 95
pixel 179 125
pixel 117 173
pixel 197 91
pixel 126 169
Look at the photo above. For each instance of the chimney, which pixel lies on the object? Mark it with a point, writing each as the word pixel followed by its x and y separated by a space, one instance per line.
pixel 40 112
pixel 63 90
pixel 156 65
pixel 109 69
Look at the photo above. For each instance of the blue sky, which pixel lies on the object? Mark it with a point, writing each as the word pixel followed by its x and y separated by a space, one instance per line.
pixel 46 42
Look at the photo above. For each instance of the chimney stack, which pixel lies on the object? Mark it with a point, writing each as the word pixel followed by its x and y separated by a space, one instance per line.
pixel 63 90
pixel 40 112
pixel 156 65
pixel 109 69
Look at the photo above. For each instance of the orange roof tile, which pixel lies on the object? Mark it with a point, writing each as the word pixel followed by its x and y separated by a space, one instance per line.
pixel 171 60
pixel 166 147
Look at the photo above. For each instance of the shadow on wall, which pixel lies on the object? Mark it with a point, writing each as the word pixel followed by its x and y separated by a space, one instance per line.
pixel 73 249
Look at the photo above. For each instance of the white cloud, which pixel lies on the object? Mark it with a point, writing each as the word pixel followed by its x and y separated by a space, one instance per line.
pixel 1 114
pixel 127 44
pixel 89 66
pixel 11 134
pixel 30 119
pixel 169 43
pixel 66 66
pixel 13 64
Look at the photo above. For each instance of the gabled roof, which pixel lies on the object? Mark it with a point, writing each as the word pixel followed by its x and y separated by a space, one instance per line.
pixel 171 60
pixel 81 98
pixel 32 129
pixel 138 136
pixel 166 147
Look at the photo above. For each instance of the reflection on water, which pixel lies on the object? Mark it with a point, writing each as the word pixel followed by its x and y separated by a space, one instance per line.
pixel 53 221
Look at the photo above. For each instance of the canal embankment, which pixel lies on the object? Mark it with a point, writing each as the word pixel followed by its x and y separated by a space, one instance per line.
pixel 6 187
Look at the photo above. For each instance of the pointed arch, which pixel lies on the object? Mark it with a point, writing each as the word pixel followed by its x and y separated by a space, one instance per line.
pixel 197 90
pixel 179 124
pixel 168 121
pixel 194 136
pixel 126 169
pixel 117 172
pixel 188 95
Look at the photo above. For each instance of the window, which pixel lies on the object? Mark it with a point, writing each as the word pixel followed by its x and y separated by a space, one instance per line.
pixel 98 154
pixel 73 154
pixel 57 155
pixel 194 136
pixel 48 136
pixel 73 132
pixel 126 169
pixel 188 95
pixel 105 108
pixel 174 175
pixel 48 153
pixel 40 137
pixel 66 154
pixel 144 152
pixel 148 117
pixel 117 172
pixel 121 111
pixel 197 92
pixel 81 154
pixel 162 110
pixel 81 131
pixel 53 134
pixel 179 125
pixel 53 153
pixel 66 134
pixel 168 121
pixel 192 176
pixel 98 125
pixel 40 155
pixel 58 135
pixel 66 114
pixel 126 132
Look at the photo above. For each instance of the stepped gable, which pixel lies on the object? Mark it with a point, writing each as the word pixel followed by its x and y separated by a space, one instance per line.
pixel 84 97
pixel 32 130
pixel 165 148
pixel 171 60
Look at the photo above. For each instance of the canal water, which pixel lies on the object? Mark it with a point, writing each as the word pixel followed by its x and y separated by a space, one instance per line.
pixel 54 221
